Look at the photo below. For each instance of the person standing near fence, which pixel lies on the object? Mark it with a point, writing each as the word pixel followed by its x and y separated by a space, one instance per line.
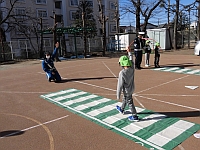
pixel 48 65
pixel 139 44
pixel 157 55
pixel 147 53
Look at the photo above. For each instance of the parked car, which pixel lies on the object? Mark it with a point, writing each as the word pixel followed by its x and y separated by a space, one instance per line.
pixel 197 49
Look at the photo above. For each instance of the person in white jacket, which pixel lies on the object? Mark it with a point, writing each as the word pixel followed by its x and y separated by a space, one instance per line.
pixel 126 85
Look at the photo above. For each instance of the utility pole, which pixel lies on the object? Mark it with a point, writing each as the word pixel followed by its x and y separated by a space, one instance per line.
pixel 41 39
pixel 84 34
pixel 54 28
pixel 168 23
pixel 198 22
pixel 55 34
pixel 103 20
pixel 2 44
pixel 64 49
pixel 189 28
pixel 117 24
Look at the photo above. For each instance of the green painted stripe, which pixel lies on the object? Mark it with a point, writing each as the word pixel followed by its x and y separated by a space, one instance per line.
pixel 174 71
pixel 101 105
pixel 140 136
pixel 73 98
pixel 182 137
pixel 156 127
pixel 60 93
pixel 86 101
pixel 107 126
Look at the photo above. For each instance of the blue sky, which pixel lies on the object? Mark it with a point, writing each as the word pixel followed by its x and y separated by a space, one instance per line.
pixel 129 19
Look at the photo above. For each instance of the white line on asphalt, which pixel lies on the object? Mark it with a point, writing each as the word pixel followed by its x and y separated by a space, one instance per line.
pixel 169 103
pixel 35 126
pixel 110 70
pixel 163 84
pixel 169 95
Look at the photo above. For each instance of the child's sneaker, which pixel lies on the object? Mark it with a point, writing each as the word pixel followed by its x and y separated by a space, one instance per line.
pixel 133 118
pixel 119 109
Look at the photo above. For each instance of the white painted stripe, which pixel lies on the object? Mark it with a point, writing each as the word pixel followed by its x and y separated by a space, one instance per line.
pixel 119 116
pixel 169 133
pixel 69 96
pixel 182 70
pixel 194 71
pixel 159 69
pixel 60 92
pixel 79 99
pixel 171 69
pixel 103 109
pixel 145 122
pixel 92 104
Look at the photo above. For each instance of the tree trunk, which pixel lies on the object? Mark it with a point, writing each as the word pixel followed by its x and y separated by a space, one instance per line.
pixel 138 17
pixel 175 24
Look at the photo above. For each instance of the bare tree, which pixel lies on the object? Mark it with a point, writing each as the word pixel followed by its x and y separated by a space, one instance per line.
pixel 141 8
pixel 85 20
pixel 22 22
pixel 147 11
pixel 177 10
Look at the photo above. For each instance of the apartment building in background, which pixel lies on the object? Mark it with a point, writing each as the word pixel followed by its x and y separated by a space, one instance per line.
pixel 61 12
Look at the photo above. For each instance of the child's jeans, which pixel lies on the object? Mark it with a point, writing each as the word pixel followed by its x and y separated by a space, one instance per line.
pixel 128 100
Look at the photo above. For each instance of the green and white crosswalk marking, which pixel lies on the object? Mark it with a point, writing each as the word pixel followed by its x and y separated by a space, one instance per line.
pixel 155 130
pixel 179 70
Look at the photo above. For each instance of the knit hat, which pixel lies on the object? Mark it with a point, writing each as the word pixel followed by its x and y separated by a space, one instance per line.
pixel 147 41
pixel 157 44
pixel 124 61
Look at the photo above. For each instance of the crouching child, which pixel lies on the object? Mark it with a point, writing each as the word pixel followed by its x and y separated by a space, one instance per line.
pixel 48 66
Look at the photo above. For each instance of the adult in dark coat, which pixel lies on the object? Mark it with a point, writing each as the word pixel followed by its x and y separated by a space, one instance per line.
pixel 139 44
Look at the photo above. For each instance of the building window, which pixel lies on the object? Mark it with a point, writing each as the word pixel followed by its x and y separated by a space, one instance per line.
pixel 78 41
pixel 112 16
pixel 112 6
pixel 41 1
pixel 72 15
pixel 47 42
pixel 41 13
pixel 90 2
pixel 23 29
pixel 45 26
pixel 20 12
pixel 73 2
pixel 59 18
pixel 58 4
pixel 20 0
pixel 24 44
pixel 112 28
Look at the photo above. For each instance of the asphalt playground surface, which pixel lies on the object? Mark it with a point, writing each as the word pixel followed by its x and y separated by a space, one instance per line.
pixel 29 122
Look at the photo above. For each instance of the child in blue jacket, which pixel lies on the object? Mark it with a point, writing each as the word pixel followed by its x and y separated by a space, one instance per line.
pixel 48 65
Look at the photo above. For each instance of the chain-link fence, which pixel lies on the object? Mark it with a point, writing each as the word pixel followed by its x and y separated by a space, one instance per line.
pixel 16 50
pixel 187 38
pixel 22 49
